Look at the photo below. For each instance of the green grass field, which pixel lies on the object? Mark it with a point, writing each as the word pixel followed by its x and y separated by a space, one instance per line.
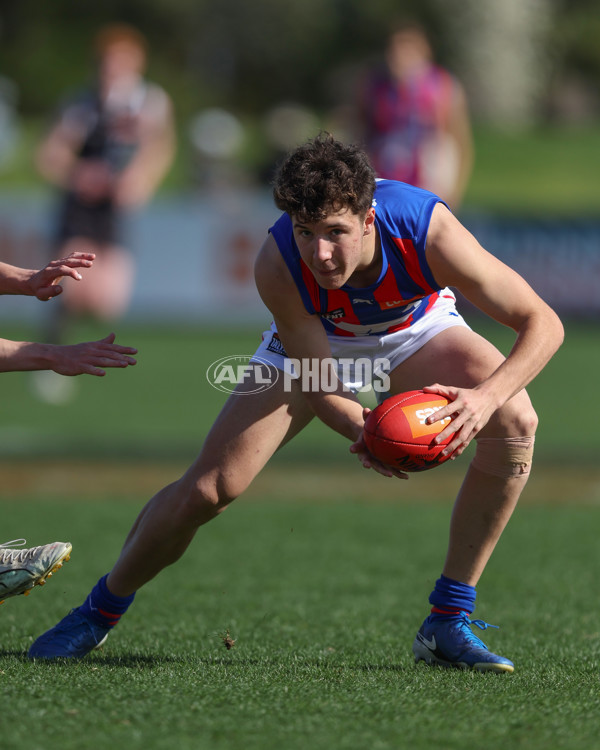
pixel 321 575
pixel 162 408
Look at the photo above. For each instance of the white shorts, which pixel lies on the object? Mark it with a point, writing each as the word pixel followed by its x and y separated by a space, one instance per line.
pixel 384 353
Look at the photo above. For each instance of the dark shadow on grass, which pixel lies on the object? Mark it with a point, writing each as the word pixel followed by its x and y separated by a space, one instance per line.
pixel 156 660
pixel 127 660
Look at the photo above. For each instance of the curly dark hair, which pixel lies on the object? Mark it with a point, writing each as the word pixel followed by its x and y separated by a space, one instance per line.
pixel 323 176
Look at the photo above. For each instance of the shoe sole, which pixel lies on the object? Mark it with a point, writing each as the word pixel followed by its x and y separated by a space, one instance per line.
pixel 100 643
pixel 422 654
pixel 56 565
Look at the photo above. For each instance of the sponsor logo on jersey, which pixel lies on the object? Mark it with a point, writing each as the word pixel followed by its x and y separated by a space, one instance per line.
pixel 334 314
pixel 394 302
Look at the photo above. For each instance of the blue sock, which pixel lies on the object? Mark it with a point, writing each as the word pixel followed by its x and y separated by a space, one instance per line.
pixel 104 607
pixel 450 597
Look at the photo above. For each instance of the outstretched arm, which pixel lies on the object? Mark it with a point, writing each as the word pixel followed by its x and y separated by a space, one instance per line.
pixel 43 284
pixel 91 358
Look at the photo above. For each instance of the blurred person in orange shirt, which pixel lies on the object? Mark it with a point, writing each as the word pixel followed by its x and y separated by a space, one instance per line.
pixel 414 120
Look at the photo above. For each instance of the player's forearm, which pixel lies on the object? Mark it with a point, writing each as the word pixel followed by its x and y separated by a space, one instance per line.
pixel 140 180
pixel 15 280
pixel 340 411
pixel 55 163
pixel 25 355
pixel 537 341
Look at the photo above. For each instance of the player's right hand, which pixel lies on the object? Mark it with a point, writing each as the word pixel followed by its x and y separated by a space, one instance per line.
pixel 92 357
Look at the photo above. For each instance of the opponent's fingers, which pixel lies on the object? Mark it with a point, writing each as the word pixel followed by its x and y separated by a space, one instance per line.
pixel 59 272
pixel 92 370
pixel 107 345
pixel 47 292
pixel 118 349
pixel 75 260
pixel 111 359
pixel 80 256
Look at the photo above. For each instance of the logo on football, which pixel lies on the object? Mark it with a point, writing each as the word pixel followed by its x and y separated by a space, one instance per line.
pixel 397 434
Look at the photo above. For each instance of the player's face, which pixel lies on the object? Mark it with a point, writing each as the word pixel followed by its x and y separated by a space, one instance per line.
pixel 340 248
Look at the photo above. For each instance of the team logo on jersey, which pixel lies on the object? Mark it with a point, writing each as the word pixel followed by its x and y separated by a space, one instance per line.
pixel 334 314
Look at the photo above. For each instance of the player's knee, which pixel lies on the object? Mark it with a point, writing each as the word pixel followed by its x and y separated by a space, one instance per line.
pixel 517 417
pixel 525 421
pixel 506 449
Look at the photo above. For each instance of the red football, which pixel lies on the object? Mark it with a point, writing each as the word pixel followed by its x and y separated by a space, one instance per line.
pixel 396 432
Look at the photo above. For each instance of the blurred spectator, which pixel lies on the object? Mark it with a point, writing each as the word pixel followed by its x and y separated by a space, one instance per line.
pixel 107 152
pixel 414 118
pixel 9 130
pixel 217 137
pixel 286 125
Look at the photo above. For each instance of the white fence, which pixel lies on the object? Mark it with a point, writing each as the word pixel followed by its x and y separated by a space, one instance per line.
pixel 195 256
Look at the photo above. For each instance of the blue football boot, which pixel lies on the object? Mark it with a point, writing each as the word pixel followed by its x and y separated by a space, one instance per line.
pixel 450 642
pixel 72 638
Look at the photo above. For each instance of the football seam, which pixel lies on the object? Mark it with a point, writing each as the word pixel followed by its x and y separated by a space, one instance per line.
pixel 389 441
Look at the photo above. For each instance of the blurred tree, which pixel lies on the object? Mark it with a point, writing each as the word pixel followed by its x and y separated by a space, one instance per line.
pixel 503 54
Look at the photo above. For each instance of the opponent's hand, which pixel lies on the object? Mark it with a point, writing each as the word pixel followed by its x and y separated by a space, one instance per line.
pixel 361 451
pixel 45 284
pixel 92 357
pixel 470 410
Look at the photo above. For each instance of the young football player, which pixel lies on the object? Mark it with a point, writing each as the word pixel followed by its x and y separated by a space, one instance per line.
pixel 358 268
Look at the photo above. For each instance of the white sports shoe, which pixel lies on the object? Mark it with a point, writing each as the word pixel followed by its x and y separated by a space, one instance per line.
pixel 22 569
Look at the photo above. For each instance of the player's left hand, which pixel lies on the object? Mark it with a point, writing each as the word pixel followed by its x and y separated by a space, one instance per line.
pixel 470 410
pixel 361 451
pixel 45 284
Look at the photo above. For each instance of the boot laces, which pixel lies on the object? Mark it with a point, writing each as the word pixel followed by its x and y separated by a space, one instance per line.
pixel 16 555
pixel 466 622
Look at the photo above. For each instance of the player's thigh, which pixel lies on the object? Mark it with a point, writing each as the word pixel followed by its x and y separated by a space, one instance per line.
pixel 247 432
pixel 460 357
pixel 456 356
